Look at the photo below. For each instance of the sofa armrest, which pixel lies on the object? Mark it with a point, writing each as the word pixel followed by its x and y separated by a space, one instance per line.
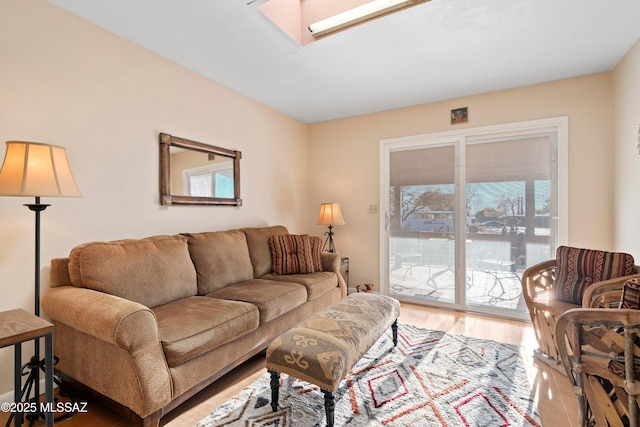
pixel 115 320
pixel 116 329
pixel 332 262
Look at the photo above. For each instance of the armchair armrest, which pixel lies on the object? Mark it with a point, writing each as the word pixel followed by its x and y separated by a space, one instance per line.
pixel 607 293
pixel 331 262
pixel 537 281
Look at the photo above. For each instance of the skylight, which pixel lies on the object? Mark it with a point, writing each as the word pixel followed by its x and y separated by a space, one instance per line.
pixel 371 10
pixel 308 20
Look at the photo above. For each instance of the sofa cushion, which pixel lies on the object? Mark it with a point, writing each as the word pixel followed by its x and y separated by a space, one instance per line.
pixel 272 298
pixel 578 268
pixel 151 271
pixel 317 284
pixel 221 258
pixel 192 326
pixel 291 254
pixel 259 250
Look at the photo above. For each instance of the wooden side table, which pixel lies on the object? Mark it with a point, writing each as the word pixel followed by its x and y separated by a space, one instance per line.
pixel 16 327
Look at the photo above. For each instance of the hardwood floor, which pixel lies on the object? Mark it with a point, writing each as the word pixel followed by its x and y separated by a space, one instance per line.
pixel 552 391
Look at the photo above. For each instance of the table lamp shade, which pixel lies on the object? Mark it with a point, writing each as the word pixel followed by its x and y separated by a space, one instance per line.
pixel 36 170
pixel 330 214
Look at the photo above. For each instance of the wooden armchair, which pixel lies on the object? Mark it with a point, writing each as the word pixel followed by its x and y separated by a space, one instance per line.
pixel 599 351
pixel 541 285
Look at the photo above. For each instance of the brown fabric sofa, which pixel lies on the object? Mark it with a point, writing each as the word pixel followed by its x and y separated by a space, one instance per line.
pixel 148 323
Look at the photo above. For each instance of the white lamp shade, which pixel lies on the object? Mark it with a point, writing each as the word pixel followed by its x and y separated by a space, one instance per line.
pixel 36 170
pixel 330 214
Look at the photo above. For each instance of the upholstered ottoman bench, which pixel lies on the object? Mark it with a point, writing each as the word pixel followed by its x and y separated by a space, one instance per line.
pixel 322 349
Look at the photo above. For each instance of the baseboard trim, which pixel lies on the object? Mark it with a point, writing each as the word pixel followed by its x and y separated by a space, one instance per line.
pixel 9 398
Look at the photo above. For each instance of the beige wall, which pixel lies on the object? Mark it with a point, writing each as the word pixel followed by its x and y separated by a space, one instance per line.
pixel 345 155
pixel 67 82
pixel 627 159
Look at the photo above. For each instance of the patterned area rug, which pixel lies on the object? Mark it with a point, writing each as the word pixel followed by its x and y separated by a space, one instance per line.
pixel 431 378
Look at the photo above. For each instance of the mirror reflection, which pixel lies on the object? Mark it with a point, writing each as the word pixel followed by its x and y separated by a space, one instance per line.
pixel 195 173
pixel 200 174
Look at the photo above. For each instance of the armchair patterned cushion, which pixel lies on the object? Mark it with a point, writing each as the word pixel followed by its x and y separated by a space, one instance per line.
pixel 553 287
pixel 631 294
pixel 579 268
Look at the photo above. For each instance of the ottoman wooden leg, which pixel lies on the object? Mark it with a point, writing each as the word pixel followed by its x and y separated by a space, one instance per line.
pixel 394 330
pixel 329 407
pixel 275 389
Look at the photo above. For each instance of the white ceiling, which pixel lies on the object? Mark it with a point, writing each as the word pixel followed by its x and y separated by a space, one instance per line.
pixel 438 50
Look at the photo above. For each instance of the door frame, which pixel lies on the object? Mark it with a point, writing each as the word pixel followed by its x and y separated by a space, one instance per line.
pixel 558 125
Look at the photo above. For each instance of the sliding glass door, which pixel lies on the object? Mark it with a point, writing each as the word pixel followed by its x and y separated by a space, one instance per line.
pixel 510 206
pixel 422 229
pixel 467 213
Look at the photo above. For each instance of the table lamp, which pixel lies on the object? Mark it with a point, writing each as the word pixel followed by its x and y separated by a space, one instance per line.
pixel 330 215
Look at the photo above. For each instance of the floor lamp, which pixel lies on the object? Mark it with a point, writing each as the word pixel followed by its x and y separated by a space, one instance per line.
pixel 330 215
pixel 33 169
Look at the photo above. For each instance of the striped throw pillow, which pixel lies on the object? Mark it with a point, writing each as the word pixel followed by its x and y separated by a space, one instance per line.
pixel 316 253
pixel 578 268
pixel 291 254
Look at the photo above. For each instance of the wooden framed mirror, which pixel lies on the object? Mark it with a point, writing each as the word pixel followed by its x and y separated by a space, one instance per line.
pixel 194 173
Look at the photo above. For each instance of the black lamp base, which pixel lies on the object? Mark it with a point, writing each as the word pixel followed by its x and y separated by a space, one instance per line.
pixel 32 370
pixel 329 241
